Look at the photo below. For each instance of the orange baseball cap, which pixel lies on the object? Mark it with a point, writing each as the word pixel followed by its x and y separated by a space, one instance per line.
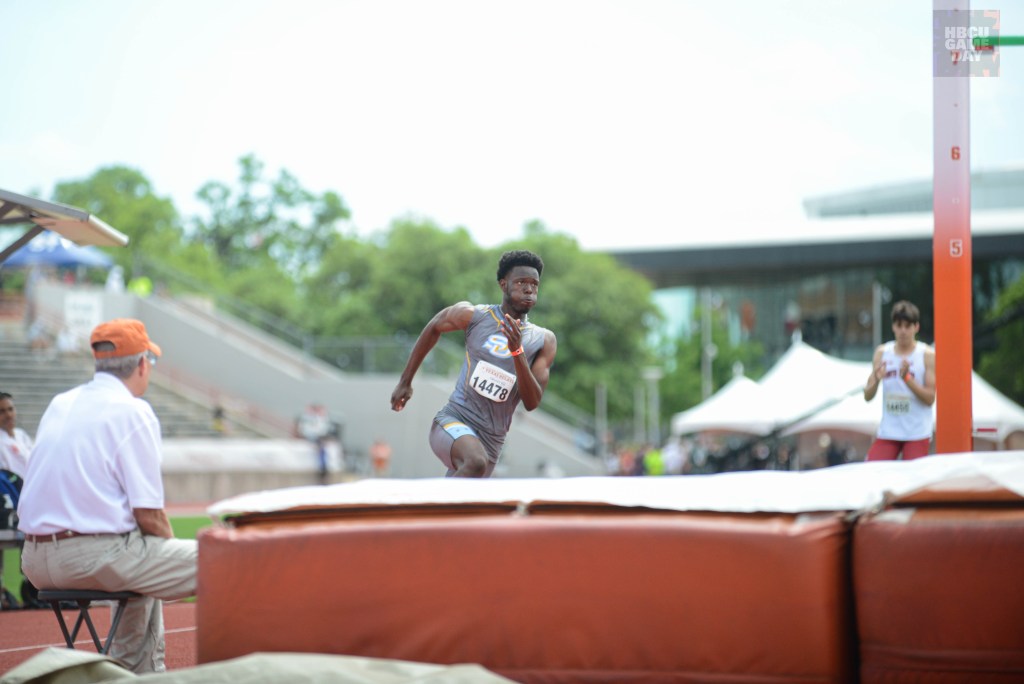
pixel 126 334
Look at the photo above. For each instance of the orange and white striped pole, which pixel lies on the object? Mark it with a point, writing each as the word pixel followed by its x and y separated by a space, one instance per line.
pixel 951 243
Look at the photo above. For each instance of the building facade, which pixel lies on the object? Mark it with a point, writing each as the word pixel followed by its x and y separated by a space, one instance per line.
pixel 834 276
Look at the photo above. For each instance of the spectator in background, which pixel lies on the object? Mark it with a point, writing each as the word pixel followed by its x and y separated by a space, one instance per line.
pixel 115 279
pixel 314 426
pixel 639 462
pixel 834 454
pixel 15 443
pixel 673 457
pixel 40 340
pixel 15 451
pixel 654 463
pixel 32 280
pixel 611 462
pixel 140 286
pixel 546 468
pixel 380 457
pixel 627 461
pixel 217 423
pixel 67 341
pixel 783 457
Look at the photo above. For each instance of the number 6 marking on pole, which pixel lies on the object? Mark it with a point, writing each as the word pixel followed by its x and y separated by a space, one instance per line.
pixel 956 248
pixel 955 152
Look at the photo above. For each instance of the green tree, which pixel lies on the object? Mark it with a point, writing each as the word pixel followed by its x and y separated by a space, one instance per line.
pixel 278 218
pixel 424 269
pixel 157 246
pixel 682 386
pixel 336 298
pixel 1003 367
pixel 269 289
pixel 124 199
pixel 392 287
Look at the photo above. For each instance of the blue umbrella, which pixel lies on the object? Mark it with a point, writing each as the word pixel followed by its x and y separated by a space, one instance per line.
pixel 50 249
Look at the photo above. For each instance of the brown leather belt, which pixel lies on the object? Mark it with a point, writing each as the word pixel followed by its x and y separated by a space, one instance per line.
pixel 63 534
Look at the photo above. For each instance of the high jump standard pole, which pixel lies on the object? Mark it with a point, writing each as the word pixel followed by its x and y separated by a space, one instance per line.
pixel 951 242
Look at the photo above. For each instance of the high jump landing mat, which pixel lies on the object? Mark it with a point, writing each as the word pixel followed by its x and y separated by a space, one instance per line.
pixel 744 577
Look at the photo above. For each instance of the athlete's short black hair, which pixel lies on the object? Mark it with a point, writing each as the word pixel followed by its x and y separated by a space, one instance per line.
pixel 518 257
pixel 905 311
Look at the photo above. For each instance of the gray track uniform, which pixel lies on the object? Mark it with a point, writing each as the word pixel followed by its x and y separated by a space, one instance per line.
pixel 486 395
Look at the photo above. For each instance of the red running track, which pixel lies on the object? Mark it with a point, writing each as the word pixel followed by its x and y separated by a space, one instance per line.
pixel 23 633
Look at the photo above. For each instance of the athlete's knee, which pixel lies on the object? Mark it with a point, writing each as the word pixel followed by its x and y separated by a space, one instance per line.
pixel 469 457
pixel 470 464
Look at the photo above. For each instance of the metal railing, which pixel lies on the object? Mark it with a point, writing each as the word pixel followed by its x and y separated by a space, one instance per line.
pixel 279 328
pixel 384 354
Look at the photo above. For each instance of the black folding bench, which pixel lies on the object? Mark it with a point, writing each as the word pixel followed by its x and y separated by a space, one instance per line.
pixel 82 598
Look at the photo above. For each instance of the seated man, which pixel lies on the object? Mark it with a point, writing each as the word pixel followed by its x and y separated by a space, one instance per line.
pixel 92 508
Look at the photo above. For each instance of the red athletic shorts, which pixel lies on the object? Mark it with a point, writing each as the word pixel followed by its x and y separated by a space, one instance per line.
pixel 889 449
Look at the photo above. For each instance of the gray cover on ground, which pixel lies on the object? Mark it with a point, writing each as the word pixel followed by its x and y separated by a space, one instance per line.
pixel 64 666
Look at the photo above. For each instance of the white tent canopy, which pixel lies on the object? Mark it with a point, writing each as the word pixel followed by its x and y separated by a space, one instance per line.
pixel 996 417
pixel 804 379
pixel 809 391
pixel 741 405
pixel 852 414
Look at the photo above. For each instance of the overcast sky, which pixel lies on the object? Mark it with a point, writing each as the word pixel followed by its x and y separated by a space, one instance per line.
pixel 637 123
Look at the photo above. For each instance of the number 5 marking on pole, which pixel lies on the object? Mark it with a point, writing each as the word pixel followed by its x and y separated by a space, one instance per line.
pixel 956 248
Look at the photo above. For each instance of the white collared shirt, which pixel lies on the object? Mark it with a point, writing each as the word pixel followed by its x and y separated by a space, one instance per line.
pixel 96 457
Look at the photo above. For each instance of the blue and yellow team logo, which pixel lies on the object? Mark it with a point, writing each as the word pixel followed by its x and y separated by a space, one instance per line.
pixel 497 345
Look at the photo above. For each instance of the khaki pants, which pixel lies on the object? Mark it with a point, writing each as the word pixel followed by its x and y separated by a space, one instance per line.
pixel 158 568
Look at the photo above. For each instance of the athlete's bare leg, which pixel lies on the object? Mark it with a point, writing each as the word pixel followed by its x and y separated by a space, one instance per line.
pixel 469 458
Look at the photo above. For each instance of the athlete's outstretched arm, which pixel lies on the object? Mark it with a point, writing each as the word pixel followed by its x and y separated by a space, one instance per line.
pixel 454 317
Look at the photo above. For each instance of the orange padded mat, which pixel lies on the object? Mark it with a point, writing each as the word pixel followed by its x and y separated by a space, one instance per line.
pixel 606 596
pixel 874 572
pixel 940 593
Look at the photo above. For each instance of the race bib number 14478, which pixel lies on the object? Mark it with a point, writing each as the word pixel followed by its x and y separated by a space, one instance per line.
pixel 492 382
